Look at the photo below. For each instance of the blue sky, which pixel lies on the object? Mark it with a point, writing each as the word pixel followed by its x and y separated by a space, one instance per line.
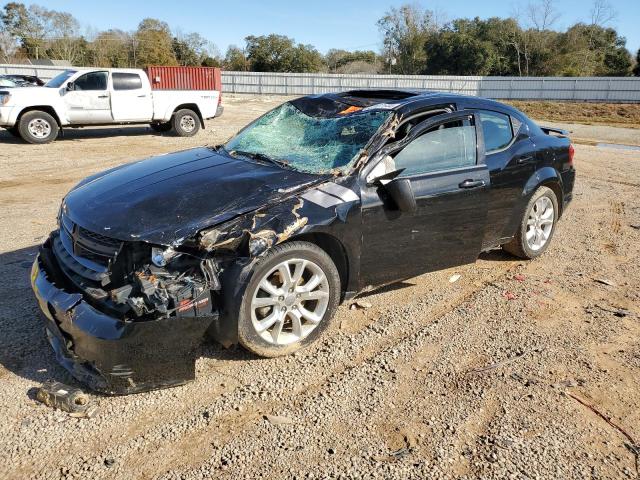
pixel 325 24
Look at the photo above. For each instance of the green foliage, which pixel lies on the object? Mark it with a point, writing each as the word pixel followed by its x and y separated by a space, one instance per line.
pixel 405 31
pixel 278 53
pixel 236 59
pixel 636 68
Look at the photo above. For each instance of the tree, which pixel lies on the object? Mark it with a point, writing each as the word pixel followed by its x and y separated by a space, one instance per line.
pixel 111 48
pixel 344 61
pixel 235 59
pixel 405 31
pixel 542 14
pixel 153 44
pixel 8 47
pixel 277 53
pixel 636 68
pixel 452 53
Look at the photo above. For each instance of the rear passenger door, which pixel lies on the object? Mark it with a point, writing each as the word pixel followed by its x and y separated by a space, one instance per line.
pixel 130 98
pixel 444 161
pixel 511 159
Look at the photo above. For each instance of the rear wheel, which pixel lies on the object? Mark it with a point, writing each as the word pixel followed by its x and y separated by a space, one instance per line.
pixel 290 298
pixel 537 226
pixel 38 127
pixel 186 123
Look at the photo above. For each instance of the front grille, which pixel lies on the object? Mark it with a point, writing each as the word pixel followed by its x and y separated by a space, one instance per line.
pixel 99 250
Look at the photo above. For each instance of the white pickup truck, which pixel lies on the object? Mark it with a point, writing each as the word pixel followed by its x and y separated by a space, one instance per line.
pixel 84 97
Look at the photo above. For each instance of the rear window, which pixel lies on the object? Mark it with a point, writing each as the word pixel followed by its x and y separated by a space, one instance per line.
pixel 126 81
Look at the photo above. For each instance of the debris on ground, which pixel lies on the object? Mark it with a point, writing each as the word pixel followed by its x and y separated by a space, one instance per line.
pixel 278 420
pixel 493 366
pixel 454 278
pixel 618 312
pixel 509 295
pixel 604 281
pixel 519 277
pixel 633 446
pixel 361 304
pixel 635 225
pixel 66 398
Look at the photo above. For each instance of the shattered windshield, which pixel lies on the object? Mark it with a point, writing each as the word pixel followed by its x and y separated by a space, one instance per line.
pixel 306 143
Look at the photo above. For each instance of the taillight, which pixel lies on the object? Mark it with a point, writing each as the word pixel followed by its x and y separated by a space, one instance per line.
pixel 572 152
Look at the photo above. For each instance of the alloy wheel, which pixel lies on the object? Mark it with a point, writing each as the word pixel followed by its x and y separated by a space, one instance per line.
pixel 289 301
pixel 540 223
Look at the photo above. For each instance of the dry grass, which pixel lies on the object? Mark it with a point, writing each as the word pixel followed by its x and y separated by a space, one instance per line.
pixel 614 114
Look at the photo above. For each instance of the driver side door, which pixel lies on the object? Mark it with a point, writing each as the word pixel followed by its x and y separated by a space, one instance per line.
pixel 443 158
pixel 88 102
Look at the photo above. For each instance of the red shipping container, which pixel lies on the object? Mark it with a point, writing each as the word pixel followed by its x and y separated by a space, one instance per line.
pixel 185 78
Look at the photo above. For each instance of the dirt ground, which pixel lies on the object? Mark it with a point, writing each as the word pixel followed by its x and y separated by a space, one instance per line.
pixel 477 378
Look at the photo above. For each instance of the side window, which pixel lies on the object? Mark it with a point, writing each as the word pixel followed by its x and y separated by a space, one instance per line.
pixel 92 81
pixel 497 131
pixel 447 146
pixel 126 81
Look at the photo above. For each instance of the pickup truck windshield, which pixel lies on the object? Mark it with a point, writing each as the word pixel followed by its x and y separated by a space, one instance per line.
pixel 309 144
pixel 58 80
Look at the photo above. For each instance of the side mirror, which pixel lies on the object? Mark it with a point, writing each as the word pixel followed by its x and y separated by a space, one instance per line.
pixel 400 191
pixel 70 86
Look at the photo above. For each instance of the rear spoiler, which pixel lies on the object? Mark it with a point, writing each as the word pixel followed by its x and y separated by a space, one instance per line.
pixel 558 131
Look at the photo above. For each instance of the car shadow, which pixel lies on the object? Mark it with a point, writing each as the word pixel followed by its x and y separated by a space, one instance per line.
pixel 386 288
pixel 71 134
pixel 24 349
pixel 496 255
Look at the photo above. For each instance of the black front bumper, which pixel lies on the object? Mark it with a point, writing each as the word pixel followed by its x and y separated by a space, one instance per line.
pixel 108 354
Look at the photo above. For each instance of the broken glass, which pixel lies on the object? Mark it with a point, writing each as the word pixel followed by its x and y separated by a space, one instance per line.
pixel 306 143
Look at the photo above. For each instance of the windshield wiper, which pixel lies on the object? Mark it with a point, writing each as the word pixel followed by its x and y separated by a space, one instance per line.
pixel 261 157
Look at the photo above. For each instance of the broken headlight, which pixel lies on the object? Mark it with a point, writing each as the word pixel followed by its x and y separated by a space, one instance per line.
pixel 160 257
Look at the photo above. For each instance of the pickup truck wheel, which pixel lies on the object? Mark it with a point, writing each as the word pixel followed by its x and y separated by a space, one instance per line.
pixel 290 297
pixel 186 123
pixel 537 226
pixel 38 127
pixel 161 127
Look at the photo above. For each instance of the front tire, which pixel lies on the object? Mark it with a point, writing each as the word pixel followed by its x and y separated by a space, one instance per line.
pixel 38 127
pixel 290 298
pixel 186 123
pixel 537 226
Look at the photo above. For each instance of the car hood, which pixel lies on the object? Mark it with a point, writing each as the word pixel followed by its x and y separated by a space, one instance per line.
pixel 166 199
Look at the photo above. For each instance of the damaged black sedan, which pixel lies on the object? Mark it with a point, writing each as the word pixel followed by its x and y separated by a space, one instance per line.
pixel 257 241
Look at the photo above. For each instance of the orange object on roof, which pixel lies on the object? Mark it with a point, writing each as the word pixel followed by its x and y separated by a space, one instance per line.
pixel 350 109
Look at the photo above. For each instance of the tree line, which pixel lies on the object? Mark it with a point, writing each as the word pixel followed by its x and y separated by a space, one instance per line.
pixel 415 40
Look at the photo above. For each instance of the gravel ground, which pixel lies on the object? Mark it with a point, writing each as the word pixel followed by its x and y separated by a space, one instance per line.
pixel 433 379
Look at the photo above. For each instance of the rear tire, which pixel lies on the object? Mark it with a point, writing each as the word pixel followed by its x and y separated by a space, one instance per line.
pixel 161 127
pixel 186 123
pixel 38 127
pixel 536 227
pixel 300 308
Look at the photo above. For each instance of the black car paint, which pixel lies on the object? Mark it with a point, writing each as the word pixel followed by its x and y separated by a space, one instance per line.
pixel 237 208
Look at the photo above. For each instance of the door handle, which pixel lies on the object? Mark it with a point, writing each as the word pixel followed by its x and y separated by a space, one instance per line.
pixel 525 159
pixel 469 183
pixel 103 96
